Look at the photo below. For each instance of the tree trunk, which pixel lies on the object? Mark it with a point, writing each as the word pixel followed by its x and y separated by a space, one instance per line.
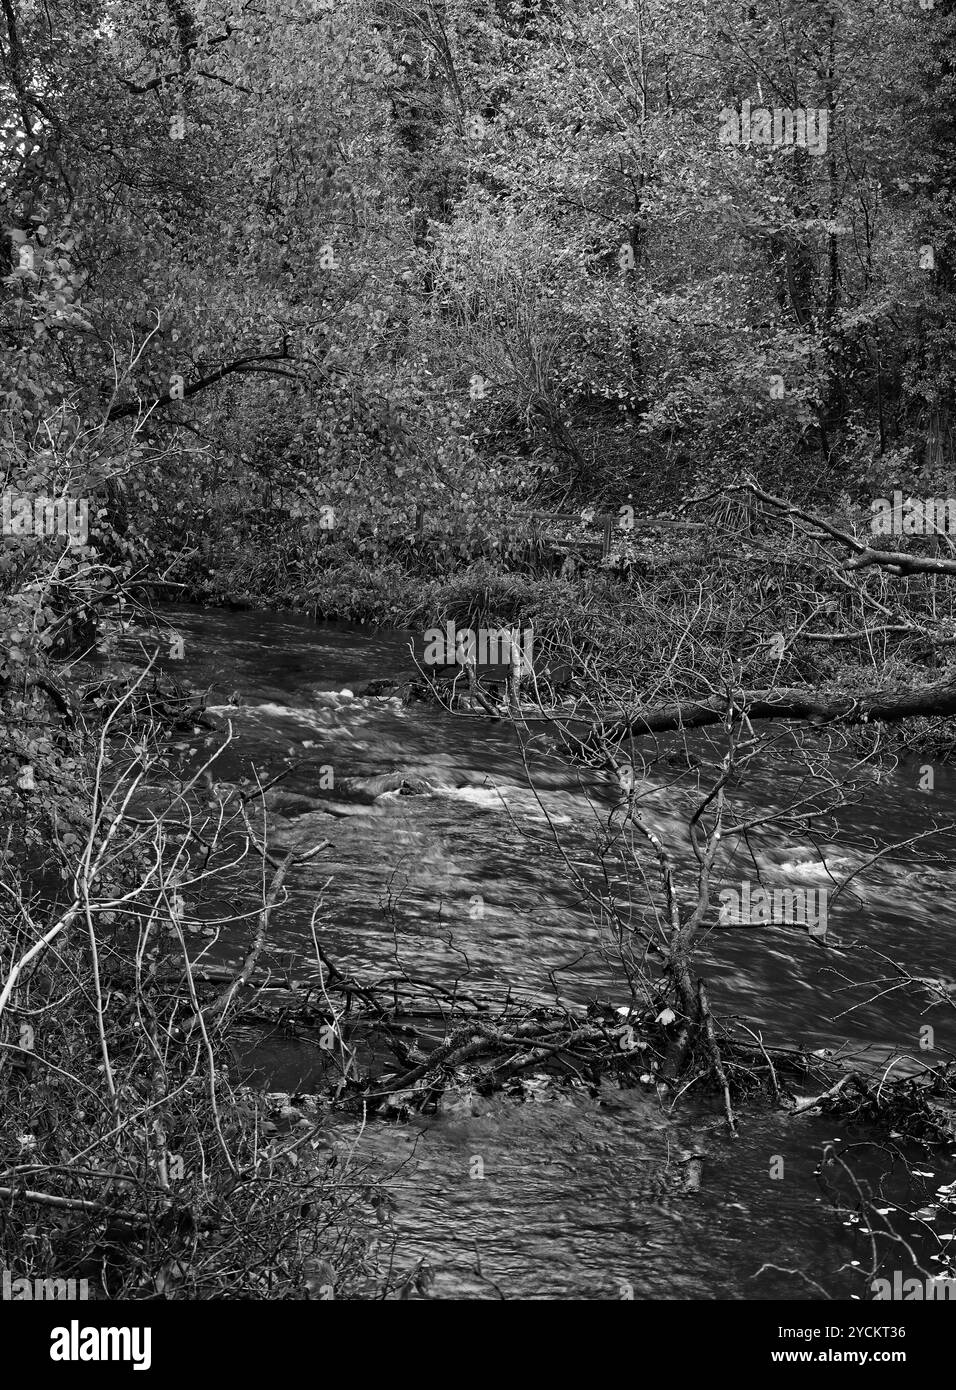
pixel 887 706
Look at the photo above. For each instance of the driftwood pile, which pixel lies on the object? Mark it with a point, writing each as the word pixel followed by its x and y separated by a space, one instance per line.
pixel 395 1046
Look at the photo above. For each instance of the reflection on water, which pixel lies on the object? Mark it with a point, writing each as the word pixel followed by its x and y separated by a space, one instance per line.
pixel 446 861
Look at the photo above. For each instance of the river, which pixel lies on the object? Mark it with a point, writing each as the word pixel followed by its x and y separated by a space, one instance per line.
pixel 468 882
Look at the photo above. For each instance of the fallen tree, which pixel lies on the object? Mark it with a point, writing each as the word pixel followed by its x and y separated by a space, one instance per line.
pixel 876 706
pixel 811 546
pixel 897 562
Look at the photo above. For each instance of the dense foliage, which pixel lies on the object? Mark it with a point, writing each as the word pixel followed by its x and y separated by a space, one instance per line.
pixel 283 274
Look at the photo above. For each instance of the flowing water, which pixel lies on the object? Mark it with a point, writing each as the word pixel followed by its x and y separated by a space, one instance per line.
pixel 473 880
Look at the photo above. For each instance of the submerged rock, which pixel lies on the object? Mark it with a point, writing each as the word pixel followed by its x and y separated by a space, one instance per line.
pixel 291 804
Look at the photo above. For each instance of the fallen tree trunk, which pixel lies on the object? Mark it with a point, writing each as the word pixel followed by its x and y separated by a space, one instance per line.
pixel 875 706
pixel 896 562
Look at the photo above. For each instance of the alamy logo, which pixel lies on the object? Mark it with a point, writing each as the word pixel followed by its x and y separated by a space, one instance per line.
pixel 24 515
pixel 747 907
pixel 497 646
pixel 803 128
pixel 14 1290
pixel 902 1290
pixel 76 1343
pixel 933 516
